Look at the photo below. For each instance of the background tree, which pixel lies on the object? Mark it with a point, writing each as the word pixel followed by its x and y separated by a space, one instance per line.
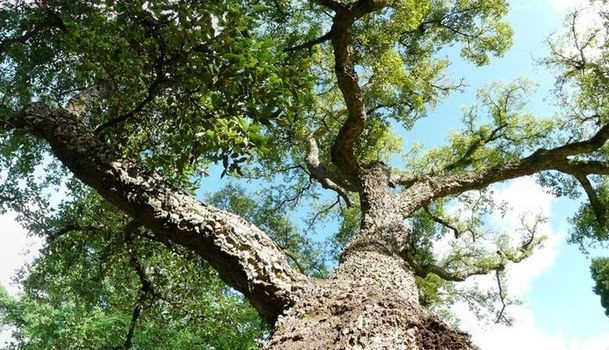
pixel 600 274
pixel 127 103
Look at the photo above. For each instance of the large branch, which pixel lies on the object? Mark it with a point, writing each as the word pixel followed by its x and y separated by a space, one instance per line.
pixel 244 256
pixel 343 149
pixel 344 67
pixel 426 190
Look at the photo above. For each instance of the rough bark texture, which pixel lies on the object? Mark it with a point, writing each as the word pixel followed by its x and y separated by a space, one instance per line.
pixel 369 303
pixel 371 300
pixel 244 256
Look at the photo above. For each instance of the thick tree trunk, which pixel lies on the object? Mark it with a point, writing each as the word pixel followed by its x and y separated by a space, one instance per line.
pixel 244 256
pixel 369 303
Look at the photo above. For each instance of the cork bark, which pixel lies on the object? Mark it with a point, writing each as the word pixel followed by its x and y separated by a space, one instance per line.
pixel 244 256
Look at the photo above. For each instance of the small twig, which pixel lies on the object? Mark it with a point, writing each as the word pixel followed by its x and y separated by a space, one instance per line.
pixel 151 94
pixel 322 212
pixel 134 260
pixel 309 44
pixel 146 285
pixel 597 205
pixel 502 299
pixel 443 222
pixel 71 228
pixel 295 260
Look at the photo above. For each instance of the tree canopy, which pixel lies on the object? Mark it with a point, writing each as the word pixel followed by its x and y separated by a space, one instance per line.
pixel 122 105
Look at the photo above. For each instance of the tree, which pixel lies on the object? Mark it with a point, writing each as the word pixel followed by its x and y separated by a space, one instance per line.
pixel 135 100
pixel 600 273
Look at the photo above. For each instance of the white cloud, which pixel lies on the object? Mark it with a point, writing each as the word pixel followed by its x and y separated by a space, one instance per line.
pixel 525 335
pixel 564 6
pixel 524 196
pixel 16 249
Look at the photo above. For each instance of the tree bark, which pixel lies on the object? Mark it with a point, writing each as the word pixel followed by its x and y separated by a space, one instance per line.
pixel 244 256
pixel 371 300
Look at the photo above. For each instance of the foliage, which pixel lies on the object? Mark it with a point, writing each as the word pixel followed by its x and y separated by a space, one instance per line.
pixel 84 288
pixel 264 212
pixel 600 274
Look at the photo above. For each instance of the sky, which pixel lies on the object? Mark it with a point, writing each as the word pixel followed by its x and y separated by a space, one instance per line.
pixel 559 311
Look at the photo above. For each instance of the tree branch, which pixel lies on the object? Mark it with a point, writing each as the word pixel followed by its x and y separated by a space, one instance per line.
pixel 501 315
pixel 481 267
pixel 79 104
pixel 150 95
pixel 423 192
pixel 321 174
pixel 597 206
pixel 588 146
pixel 133 259
pixel 443 222
pixel 137 311
pixel 454 276
pixel 344 68
pixel 71 228
pixel 244 256
pixel 476 144
pixel 311 43
pixel 145 283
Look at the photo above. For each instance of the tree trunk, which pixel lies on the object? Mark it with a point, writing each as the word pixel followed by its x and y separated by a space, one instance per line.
pixel 244 256
pixel 369 303
pixel 371 300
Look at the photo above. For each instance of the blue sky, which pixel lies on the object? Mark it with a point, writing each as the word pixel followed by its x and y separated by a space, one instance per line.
pixel 560 311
